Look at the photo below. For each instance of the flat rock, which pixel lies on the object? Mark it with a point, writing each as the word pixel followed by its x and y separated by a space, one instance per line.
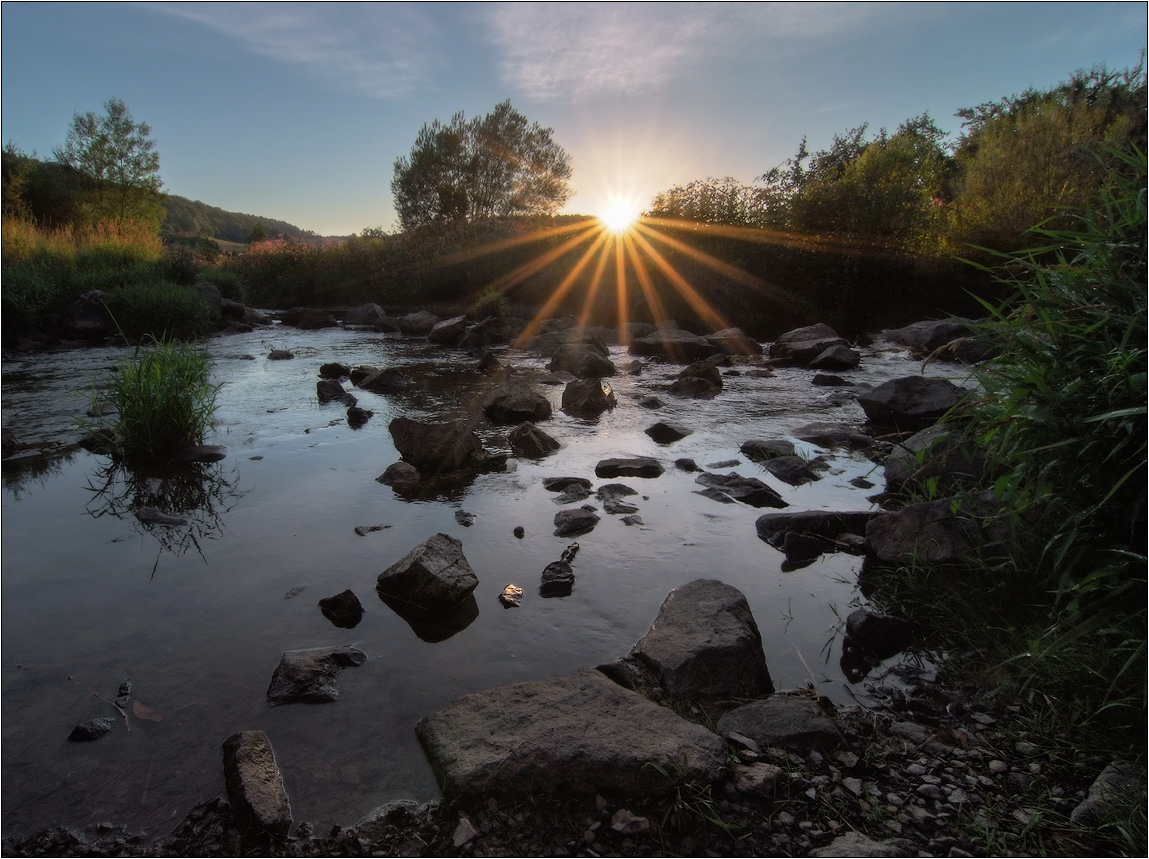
pixel 772 527
pixel 802 345
pixel 560 484
pixel 790 721
pixel 331 391
pixel 862 846
pixel 834 435
pixel 447 331
pixel 255 785
pixel 432 577
pixel 932 532
pixel 572 523
pixel 792 470
pixel 705 643
pixel 435 448
pixel 912 401
pixel 308 676
pixel 748 490
pixel 581 732
pixel 389 380
pixel 635 466
pixel 760 450
pixel 516 402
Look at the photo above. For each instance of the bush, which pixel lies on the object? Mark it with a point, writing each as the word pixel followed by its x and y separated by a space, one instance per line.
pixel 159 310
pixel 491 302
pixel 164 402
pixel 179 265
pixel 229 284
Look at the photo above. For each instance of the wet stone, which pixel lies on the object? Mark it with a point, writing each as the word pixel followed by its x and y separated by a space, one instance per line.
pixel 90 730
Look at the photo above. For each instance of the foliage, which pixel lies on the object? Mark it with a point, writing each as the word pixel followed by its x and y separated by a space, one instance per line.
pixel 257 234
pixel 164 402
pixel 494 166
pixel 229 284
pixel 714 201
pixel 119 161
pixel 491 302
pixel 191 218
pixel 159 310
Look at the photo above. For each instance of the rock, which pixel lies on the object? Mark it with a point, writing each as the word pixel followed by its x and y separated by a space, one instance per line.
pixel 572 523
pixel 936 451
pixel 344 609
pixel 704 643
pixel 464 518
pixel 775 527
pixel 651 402
pixel 334 370
pixel 792 470
pixel 152 516
pixel 560 484
pixel 673 344
pixel 828 380
pixel 878 635
pixel 912 401
pixel 588 397
pixel 837 357
pixel 632 520
pixel 419 323
pixel 519 532
pixel 464 833
pixel 635 466
pixel 308 676
pixel 254 783
pixel 748 490
pixel 432 577
pixel 387 325
pixel 514 403
pixel 330 390
pixel 309 319
pixel 803 345
pixel 757 779
pixel 489 364
pixel 389 380
pixel 925 338
pixel 790 721
pixel 733 341
pixel 357 417
pixel 686 464
pixel 365 314
pixel 201 453
pixel 85 317
pixel 581 732
pixel 487 332
pixel 583 360
pixel 1119 789
pixel 90 730
pixel 834 435
pixel 611 496
pixel 530 442
pixel 557 579
pixel 625 822
pixel 401 476
pixel 511 596
pixel 437 449
pixel 280 355
pixel 858 845
pixel 448 331
pixel 666 433
pixel 760 450
pixel 932 532
pixel 574 492
pixel 381 822
pixel 364 530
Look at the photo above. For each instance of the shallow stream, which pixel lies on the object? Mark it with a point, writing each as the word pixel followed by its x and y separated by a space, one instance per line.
pixel 196 618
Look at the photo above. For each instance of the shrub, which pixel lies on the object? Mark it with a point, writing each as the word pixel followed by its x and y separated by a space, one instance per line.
pixel 492 302
pixel 229 284
pixel 159 310
pixel 164 402
pixel 179 265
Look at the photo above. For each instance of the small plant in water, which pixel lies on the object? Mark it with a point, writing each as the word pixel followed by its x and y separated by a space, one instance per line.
pixel 164 402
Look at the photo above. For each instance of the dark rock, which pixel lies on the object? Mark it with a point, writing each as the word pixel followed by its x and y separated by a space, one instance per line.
pixel 791 469
pixel 557 580
pixel 934 452
pixel 775 527
pixel 588 397
pixel 559 484
pixel 583 360
pixel 259 802
pixel 790 721
pixel 572 523
pixel 715 494
pixel 632 520
pixel 934 533
pixel 733 341
pixel 387 325
pixel 562 377
pixel 837 357
pixel 694 387
pixel 748 490
pixel 581 732
pixel 487 332
pixel 760 450
pixel 432 577
pixel 381 823
pixel 437 449
pixel 651 402
pixel 90 730
pixel 1120 786
pixel 925 338
pixel 232 310
pixel 834 435
pixel 309 319
pixel 664 433
pixel 828 380
pixel 686 464
pixel 357 417
pixel 331 391
pixel 673 344
pixel 402 476
pixel 464 518
pixel 361 372
pixel 280 355
pixel 419 323
pixel 530 442
pixel 308 676
pixel 862 846
pixel 912 401
pixel 489 364
pixel 390 380
pixel 152 516
pixel 704 643
pixel 334 370
pixel 364 530
pixel 438 626
pixel 365 314
pixel 574 492
pixel 519 532
pixel 611 494
pixel 514 403
pixel 803 345
pixel 85 316
pixel 344 609
pixel 448 331
pixel 878 635
pixel 635 466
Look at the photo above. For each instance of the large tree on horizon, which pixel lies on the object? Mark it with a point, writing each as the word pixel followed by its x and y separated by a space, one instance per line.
pixel 495 166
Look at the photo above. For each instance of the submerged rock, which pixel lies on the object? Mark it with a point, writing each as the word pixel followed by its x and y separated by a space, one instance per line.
pixel 308 676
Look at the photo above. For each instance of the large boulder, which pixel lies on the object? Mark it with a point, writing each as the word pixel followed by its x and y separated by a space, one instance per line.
pixel 828 526
pixel 259 802
pixel 583 360
pixel 487 332
pixel 837 357
pixel 878 635
pixel 581 732
pixel 939 532
pixel 575 522
pixel 437 449
pixel 733 341
pixel 448 331
pixel 673 344
pixel 433 577
pixel 389 380
pixel 530 442
pixel 700 381
pixel 515 402
pixel 912 401
pixel 704 644
pixel 588 398
pixel 365 314
pixel 420 322
pixel 803 345
pixel 309 318
pixel 924 338
pixel 308 676
pixel 789 721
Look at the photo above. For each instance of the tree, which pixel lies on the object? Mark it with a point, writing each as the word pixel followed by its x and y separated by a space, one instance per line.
pixel 496 166
pixel 119 160
pixel 257 234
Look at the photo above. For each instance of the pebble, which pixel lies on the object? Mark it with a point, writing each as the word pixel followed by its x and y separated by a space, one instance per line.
pixel 996 766
pixel 1022 747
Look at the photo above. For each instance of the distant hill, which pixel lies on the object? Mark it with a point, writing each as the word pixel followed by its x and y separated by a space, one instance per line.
pixel 191 218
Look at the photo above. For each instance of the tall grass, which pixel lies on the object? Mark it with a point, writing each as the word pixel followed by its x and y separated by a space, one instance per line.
pixel 164 402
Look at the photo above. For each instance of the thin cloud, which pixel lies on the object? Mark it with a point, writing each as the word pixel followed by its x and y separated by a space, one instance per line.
pixel 382 51
pixel 578 51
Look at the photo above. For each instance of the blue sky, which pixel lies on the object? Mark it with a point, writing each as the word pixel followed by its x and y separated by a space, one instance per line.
pixel 298 111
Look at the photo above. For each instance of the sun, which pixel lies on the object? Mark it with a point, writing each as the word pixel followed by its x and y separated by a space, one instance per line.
pixel 620 213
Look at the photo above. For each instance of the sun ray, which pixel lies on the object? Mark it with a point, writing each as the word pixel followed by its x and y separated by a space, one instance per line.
pixel 644 282
pixel 561 290
pixel 585 225
pixel 697 303
pixel 595 284
pixel 540 262
pixel 620 291
pixel 767 237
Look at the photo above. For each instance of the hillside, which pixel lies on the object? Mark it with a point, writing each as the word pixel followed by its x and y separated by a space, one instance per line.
pixel 189 218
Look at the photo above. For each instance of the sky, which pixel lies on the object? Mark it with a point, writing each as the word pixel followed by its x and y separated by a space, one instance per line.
pixel 297 111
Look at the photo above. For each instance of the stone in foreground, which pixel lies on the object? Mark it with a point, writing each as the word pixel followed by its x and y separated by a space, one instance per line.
pixel 308 676
pixel 432 577
pixel 635 466
pixel 255 785
pixel 581 732
pixel 790 721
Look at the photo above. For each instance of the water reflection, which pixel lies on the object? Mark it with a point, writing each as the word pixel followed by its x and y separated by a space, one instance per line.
pixel 33 466
pixel 435 627
pixel 179 506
